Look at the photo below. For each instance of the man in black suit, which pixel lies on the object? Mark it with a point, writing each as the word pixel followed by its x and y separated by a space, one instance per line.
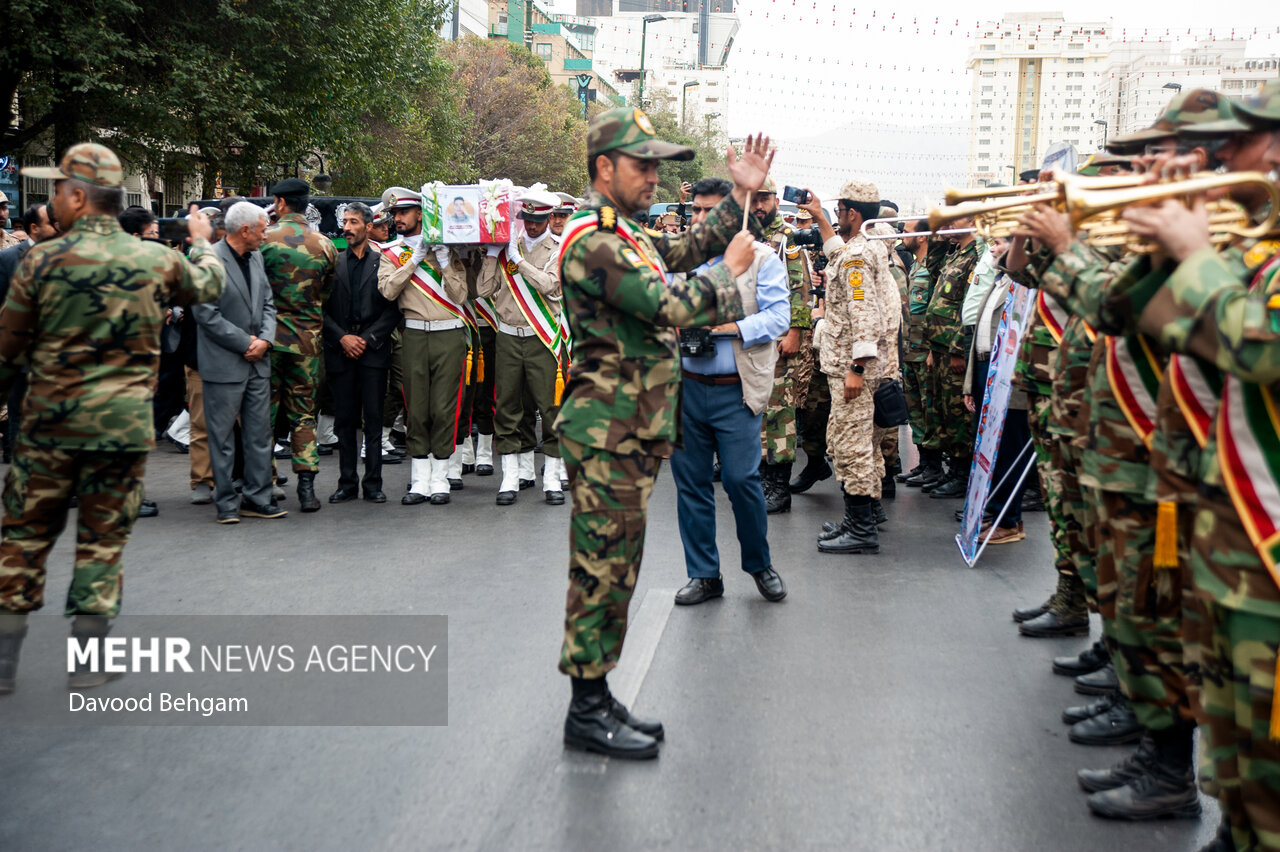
pixel 358 322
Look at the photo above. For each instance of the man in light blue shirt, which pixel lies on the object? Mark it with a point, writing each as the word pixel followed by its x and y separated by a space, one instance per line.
pixel 723 397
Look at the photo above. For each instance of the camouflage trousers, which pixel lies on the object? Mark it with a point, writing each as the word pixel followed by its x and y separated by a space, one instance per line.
pixel 887 441
pixel 790 383
pixel 851 439
pixel 1070 515
pixel 813 414
pixel 606 542
pixel 954 432
pixel 915 381
pixel 37 496
pixel 293 387
pixel 1142 611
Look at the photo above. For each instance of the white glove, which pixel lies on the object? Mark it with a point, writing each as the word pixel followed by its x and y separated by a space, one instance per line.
pixel 442 257
pixel 493 251
pixel 419 254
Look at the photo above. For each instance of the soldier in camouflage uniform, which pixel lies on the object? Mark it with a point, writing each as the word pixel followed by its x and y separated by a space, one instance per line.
pixel 84 314
pixel 618 416
pixel 949 346
pixel 300 262
pixel 931 255
pixel 815 396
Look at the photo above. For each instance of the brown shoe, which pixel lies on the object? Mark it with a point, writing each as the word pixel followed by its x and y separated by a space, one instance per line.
pixel 1006 535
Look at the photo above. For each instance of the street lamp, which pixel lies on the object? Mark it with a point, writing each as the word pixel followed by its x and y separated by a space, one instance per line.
pixel 322 182
pixel 708 118
pixel 1177 87
pixel 684 94
pixel 644 26
pixel 1104 131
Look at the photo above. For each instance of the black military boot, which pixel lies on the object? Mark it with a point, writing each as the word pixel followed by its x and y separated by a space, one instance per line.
pixel 888 487
pixel 956 486
pixel 1116 726
pixel 1166 789
pixel 86 629
pixel 881 517
pixel 10 649
pixel 1089 660
pixel 1101 682
pixel 1067 614
pixel 777 496
pixel 929 470
pixel 903 477
pixel 307 491
pixel 1094 708
pixel 593 725
pixel 1028 613
pixel 945 475
pixel 858 534
pixel 1138 763
pixel 815 470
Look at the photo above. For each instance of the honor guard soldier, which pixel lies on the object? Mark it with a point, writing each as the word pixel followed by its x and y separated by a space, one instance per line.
pixel 618 416
pixel 299 261
pixel 84 314
pixel 524 282
pixel 430 286
pixel 560 216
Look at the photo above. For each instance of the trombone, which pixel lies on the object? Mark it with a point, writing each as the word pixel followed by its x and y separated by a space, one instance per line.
pixel 894 235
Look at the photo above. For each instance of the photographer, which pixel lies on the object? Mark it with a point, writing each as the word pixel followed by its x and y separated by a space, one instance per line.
pixel 727 385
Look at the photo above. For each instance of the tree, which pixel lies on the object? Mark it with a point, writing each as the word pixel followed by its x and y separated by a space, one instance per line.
pixel 708 159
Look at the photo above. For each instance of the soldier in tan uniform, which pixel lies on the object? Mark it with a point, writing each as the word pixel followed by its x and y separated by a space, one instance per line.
pixel 8 239
pixel 430 286
pixel 524 283
pixel 849 343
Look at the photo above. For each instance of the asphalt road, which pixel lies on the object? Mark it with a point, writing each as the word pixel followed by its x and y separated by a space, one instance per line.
pixel 887 704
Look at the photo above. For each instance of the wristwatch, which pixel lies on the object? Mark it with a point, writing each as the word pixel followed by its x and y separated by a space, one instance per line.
pixel 858 369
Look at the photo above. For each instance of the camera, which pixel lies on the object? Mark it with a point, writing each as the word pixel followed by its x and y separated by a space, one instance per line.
pixel 795 195
pixel 806 237
pixel 697 343
pixel 819 262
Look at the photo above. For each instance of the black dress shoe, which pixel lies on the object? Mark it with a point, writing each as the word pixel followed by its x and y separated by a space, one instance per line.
pixel 1021 615
pixel 555 498
pixel 1087 711
pixel 484 470
pixel 439 499
pixel 1117 726
pixel 148 509
pixel 903 477
pixel 392 458
pixel 1161 793
pixel 253 510
pixel 1089 660
pixel 527 483
pixel 650 727
pixel 413 498
pixel 506 498
pixel 468 468
pixel 770 584
pixel 324 450
pixel 456 485
pixel 700 589
pixel 813 472
pixel 1138 763
pixel 1051 625
pixel 1101 682
pixel 934 484
pixel 956 487
pixel 375 497
pixel 343 495
pixel 592 726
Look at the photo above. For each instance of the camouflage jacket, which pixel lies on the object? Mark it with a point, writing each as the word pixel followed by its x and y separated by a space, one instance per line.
pixel 300 262
pixel 779 234
pixel 624 383
pixel 1070 361
pixel 84 313
pixel 1208 309
pixel 1034 371
pixel 942 323
pixel 855 326
pixel 919 292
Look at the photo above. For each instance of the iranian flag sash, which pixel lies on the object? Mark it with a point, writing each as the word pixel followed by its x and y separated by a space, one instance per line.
pixel 485 310
pixel 585 222
pixel 1197 388
pixel 427 280
pixel 1134 373
pixel 1249 455
pixel 1052 314
pixel 533 306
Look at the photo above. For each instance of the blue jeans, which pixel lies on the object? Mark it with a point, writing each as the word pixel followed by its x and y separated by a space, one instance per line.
pixel 716 420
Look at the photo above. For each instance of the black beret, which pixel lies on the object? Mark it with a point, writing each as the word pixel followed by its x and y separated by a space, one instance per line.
pixel 291 186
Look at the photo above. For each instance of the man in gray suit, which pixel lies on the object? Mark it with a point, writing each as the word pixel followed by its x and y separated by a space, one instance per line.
pixel 233 341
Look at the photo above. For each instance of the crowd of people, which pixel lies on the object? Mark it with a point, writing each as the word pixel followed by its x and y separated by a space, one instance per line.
pixel 1144 383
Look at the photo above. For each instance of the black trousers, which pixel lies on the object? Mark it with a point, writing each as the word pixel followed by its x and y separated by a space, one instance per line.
pixel 358 394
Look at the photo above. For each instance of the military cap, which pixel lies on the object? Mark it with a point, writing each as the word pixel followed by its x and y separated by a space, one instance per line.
pixel 887 212
pixel 1196 107
pixel 1031 175
pixel 768 187
pixel 567 203
pixel 210 211
pixel 1106 158
pixel 95 164
pixel 398 196
pixel 291 186
pixel 537 205
pixel 1258 112
pixel 4 199
pixel 803 214
pixel 629 130
pixel 670 219
pixel 861 191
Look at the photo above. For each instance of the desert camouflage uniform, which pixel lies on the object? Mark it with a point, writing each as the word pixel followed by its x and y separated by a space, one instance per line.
pixel 618 415
pixel 792 373
pixel 300 263
pixel 84 314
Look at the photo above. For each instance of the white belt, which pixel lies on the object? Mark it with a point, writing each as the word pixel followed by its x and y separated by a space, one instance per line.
pixel 515 331
pixel 432 325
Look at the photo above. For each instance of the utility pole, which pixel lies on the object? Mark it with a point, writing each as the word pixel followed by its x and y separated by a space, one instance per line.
pixel 644 26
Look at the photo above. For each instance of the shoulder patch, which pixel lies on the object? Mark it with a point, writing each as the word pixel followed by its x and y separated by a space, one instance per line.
pixel 608 219
pixel 632 258
pixel 651 232
pixel 793 252
pixel 1261 253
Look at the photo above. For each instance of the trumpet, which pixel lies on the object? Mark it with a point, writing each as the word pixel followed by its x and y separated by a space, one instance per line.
pixel 1097 212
